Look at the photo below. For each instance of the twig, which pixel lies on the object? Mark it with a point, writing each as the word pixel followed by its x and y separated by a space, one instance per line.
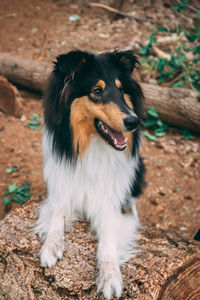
pixel 190 7
pixel 12 15
pixel 161 53
pixel 193 8
pixel 43 47
pixel 167 84
pixel 120 13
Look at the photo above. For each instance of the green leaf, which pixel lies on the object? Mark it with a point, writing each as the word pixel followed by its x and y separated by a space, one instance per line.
pixel 32 126
pixel 22 194
pixel 160 134
pixel 186 133
pixel 11 170
pixel 6 201
pixel 181 6
pixel 159 123
pixel 148 136
pixel 150 122
pixel 191 36
pixel 34 117
pixel 197 50
pixel 161 128
pixel 198 14
pixel 145 51
pixel 35 122
pixel 20 199
pixel 179 83
pixel 162 29
pixel 11 189
pixel 152 112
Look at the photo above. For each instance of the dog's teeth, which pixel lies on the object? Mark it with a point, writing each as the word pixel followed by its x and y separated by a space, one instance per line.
pixel 126 139
pixel 106 131
pixel 100 123
pixel 115 142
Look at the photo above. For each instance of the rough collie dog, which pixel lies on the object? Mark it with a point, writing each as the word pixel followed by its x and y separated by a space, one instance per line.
pixel 92 166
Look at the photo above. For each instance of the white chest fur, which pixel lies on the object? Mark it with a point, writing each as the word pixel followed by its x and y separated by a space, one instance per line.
pixel 99 181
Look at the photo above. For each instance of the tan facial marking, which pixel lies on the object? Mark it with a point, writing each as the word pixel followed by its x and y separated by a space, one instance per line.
pixel 83 113
pixel 82 126
pixel 118 83
pixel 101 84
pixel 108 113
pixel 128 101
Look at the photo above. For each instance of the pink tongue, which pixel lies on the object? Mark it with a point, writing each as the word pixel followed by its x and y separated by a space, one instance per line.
pixel 116 135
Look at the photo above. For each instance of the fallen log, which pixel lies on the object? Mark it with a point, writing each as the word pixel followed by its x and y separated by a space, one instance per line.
pixel 27 73
pixel 175 106
pixel 168 266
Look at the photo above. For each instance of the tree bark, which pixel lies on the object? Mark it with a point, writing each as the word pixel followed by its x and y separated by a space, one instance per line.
pixel 167 268
pixel 176 106
pixel 25 72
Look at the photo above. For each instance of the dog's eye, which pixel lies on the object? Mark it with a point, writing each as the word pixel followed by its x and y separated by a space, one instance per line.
pixel 98 91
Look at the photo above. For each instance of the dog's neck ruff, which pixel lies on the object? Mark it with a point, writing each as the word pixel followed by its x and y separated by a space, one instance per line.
pixel 103 174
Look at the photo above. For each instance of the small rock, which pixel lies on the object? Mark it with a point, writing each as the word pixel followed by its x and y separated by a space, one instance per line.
pixel 23 118
pixel 198 208
pixel 195 147
pixel 104 35
pixel 159 209
pixel 162 191
pixel 183 228
pixel 165 146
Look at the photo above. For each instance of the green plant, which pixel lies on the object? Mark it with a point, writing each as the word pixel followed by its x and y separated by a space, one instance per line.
pixel 183 67
pixel 156 124
pixel 12 169
pixel 159 128
pixel 35 122
pixel 19 194
pixel 180 6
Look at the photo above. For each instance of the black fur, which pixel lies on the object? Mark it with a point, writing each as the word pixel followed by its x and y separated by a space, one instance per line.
pixel 74 75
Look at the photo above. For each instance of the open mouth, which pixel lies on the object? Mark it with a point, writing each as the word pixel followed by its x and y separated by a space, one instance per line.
pixel 114 138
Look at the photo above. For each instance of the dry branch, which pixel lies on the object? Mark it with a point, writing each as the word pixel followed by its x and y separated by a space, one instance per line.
pixel 160 53
pixel 176 106
pixel 120 13
pixel 160 41
pixel 167 268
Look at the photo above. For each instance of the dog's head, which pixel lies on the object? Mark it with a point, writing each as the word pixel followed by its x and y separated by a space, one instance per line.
pixel 95 94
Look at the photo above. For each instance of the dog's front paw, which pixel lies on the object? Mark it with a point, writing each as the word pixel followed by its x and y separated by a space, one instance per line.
pixel 110 282
pixel 51 251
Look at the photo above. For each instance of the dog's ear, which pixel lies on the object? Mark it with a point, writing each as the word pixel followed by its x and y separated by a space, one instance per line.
pixel 69 63
pixel 128 59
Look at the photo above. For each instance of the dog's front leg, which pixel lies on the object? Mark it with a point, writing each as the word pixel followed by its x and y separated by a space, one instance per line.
pixel 109 279
pixel 50 226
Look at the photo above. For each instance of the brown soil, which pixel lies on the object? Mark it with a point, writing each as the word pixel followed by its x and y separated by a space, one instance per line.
pixel 41 30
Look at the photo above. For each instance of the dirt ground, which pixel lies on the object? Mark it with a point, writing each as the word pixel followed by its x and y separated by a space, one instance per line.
pixel 41 30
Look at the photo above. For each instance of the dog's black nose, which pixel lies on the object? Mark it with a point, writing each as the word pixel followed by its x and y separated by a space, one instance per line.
pixel 131 122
